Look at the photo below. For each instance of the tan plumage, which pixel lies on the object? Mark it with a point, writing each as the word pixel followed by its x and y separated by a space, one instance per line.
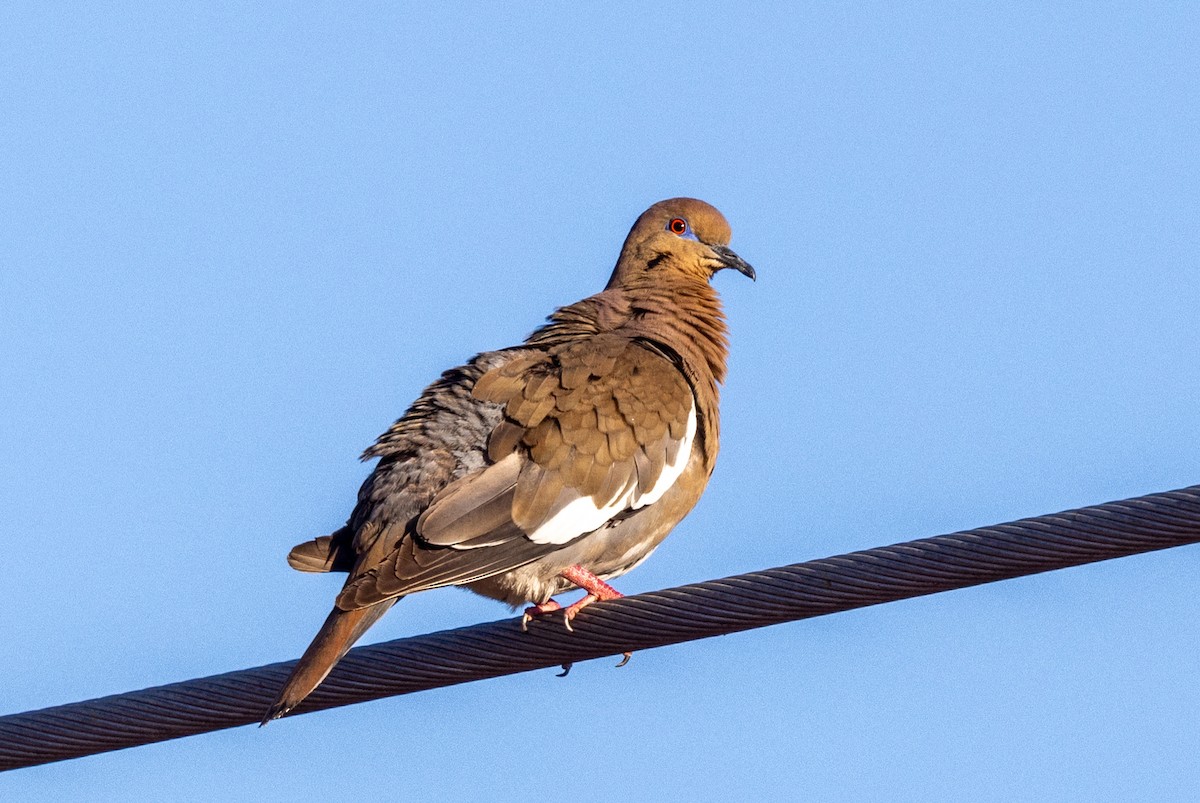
pixel 577 451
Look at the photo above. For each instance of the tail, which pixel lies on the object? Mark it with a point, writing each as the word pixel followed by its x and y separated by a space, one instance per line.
pixel 333 640
pixel 329 553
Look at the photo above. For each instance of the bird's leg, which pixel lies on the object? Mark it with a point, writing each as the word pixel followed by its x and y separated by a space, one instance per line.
pixel 590 583
pixel 597 590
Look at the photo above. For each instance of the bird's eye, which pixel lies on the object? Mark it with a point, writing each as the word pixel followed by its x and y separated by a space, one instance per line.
pixel 678 225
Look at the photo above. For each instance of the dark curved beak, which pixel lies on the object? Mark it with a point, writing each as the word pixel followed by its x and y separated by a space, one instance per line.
pixel 729 259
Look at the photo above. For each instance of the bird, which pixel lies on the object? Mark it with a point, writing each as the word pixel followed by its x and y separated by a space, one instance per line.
pixel 557 464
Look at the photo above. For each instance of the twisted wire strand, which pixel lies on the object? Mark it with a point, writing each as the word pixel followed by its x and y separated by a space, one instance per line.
pixel 670 616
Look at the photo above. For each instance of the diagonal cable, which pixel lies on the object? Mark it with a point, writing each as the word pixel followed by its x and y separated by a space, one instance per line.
pixel 656 619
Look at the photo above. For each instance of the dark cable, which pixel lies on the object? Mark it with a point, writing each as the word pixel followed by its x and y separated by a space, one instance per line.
pixel 732 604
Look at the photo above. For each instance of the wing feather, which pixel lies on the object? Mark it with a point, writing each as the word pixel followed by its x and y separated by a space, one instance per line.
pixel 591 429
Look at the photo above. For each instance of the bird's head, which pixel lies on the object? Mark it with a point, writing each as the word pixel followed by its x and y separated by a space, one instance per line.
pixel 683 236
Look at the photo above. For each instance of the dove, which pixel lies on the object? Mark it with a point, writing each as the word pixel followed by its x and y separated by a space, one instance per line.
pixel 557 464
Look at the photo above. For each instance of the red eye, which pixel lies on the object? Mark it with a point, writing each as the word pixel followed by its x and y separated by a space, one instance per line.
pixel 678 225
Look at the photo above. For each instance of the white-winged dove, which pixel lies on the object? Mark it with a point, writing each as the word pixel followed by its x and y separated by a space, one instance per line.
pixel 556 464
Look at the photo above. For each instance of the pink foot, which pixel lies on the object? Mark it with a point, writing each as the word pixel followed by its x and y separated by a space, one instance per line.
pixel 549 606
pixel 572 610
pixel 597 590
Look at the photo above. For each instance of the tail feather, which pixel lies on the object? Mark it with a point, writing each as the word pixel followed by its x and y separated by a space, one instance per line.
pixel 329 553
pixel 333 640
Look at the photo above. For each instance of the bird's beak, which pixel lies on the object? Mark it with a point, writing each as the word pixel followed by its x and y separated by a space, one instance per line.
pixel 729 259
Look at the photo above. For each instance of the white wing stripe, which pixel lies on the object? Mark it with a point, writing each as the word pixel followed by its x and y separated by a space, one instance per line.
pixel 582 515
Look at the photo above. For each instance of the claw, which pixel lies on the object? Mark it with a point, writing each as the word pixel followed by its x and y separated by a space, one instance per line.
pixel 537 610
pixel 572 610
pixel 566 670
pixel 625 660
pixel 596 589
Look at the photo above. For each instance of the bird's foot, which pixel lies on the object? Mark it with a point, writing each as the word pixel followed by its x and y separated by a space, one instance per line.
pixel 597 590
pixel 572 610
pixel 549 606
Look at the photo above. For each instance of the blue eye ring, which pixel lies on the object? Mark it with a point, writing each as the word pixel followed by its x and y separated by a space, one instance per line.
pixel 678 226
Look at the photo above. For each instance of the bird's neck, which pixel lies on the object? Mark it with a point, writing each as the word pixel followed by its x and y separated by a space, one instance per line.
pixel 686 316
pixel 683 314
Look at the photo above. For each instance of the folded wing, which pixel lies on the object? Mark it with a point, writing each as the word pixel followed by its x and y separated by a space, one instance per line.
pixel 592 430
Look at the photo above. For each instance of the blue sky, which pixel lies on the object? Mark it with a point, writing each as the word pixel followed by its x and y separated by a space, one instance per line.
pixel 236 243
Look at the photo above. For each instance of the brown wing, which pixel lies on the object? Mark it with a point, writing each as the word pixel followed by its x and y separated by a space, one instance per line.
pixel 591 429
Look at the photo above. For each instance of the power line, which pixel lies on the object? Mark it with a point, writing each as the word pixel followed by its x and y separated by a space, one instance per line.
pixel 645 621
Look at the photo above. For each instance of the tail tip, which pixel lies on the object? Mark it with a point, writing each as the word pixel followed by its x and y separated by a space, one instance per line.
pixel 278 709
